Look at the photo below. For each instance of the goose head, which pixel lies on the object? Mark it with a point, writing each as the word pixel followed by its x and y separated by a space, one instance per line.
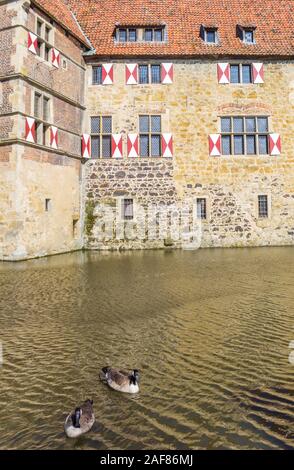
pixel 76 418
pixel 135 377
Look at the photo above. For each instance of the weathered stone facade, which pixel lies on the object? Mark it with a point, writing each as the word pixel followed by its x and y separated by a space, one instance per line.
pixel 50 197
pixel 40 203
pixel 191 108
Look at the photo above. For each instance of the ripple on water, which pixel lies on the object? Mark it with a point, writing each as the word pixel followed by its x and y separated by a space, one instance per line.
pixel 209 330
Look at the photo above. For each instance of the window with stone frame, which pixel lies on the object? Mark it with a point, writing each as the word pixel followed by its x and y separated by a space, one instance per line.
pixel 44 34
pixel 263 206
pixel 153 34
pixel 149 73
pixel 245 135
pixel 241 73
pixel 42 115
pixel 201 208
pixel 101 133
pixel 126 34
pixel 150 135
pixel 97 75
pixel 127 209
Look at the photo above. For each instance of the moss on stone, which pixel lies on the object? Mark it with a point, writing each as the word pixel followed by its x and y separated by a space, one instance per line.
pixel 89 219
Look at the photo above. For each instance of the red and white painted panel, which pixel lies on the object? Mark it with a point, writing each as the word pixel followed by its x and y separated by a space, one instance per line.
pixel 132 74
pixel 107 74
pixel 167 145
pixel 223 73
pixel 275 145
pixel 167 73
pixel 54 137
pixel 32 42
pixel 258 73
pixel 215 145
pixel 30 130
pixel 55 57
pixel 116 146
pixel 86 146
pixel 133 145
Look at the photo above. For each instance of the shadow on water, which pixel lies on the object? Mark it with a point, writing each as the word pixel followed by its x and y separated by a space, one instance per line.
pixel 210 331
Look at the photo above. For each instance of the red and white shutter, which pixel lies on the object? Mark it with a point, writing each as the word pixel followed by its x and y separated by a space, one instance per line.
pixel 275 145
pixel 223 73
pixel 167 73
pixel 32 42
pixel 86 146
pixel 215 145
pixel 107 74
pixel 116 146
pixel 30 130
pixel 133 145
pixel 132 74
pixel 55 58
pixel 258 73
pixel 54 137
pixel 167 145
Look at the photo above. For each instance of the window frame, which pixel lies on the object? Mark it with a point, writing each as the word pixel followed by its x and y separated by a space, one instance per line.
pixel 149 74
pixel 44 42
pixel 94 68
pixel 42 122
pixel 245 134
pixel 248 30
pixel 210 30
pixel 123 208
pixel 240 67
pixel 153 30
pixel 150 134
pixel 267 213
pixel 203 217
pixel 101 134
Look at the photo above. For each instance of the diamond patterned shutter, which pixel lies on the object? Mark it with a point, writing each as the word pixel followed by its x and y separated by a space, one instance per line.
pixel 275 145
pixel 223 73
pixel 55 58
pixel 167 73
pixel 107 74
pixel 86 146
pixel 167 145
pixel 133 145
pixel 54 137
pixel 215 145
pixel 32 42
pixel 132 74
pixel 258 73
pixel 116 146
pixel 30 130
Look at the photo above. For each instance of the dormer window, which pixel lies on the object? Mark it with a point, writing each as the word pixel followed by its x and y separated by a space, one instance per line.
pixel 246 33
pixel 248 36
pixel 209 34
pixel 125 34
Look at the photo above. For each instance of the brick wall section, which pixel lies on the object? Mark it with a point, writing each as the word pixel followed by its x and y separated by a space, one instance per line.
pixel 6 40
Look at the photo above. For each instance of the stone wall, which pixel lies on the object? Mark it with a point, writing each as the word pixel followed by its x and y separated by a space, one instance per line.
pixel 31 173
pixel 191 108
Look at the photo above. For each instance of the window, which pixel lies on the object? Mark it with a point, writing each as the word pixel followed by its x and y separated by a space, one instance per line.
pixel 241 73
pixel 127 209
pixel 150 73
pixel 47 205
pixel 210 35
pixel 42 114
pixel 126 34
pixel 44 33
pixel 248 36
pixel 101 130
pixel 153 35
pixel 201 208
pixel 150 136
pixel 244 135
pixel 263 207
pixel 97 75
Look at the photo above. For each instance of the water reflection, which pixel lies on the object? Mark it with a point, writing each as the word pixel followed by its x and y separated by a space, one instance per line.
pixel 209 330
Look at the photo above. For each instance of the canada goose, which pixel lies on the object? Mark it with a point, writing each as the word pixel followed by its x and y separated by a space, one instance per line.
pixel 81 420
pixel 121 380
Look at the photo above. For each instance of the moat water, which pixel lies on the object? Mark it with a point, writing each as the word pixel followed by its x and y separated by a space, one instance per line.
pixel 209 330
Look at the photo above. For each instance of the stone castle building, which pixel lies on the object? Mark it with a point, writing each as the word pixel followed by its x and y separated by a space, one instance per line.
pixel 145 103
